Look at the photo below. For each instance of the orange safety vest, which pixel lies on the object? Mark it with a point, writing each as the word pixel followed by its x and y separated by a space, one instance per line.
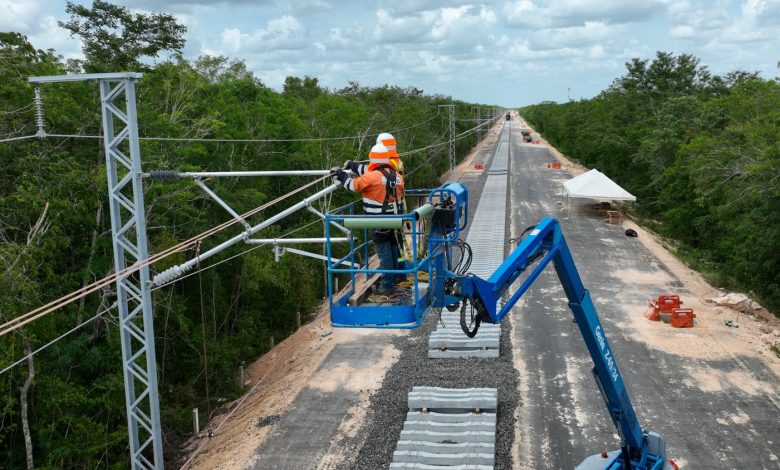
pixel 377 192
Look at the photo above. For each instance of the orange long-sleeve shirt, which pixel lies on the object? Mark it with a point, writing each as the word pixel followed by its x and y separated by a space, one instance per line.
pixel 373 187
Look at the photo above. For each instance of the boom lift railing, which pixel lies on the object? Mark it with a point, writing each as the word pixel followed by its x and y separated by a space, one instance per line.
pixel 445 211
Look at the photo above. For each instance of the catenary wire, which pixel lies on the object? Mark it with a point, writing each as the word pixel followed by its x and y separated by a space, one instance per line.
pixel 213 265
pixel 22 359
pixel 14 139
pixel 17 322
pixel 205 268
pixel 69 298
pixel 200 139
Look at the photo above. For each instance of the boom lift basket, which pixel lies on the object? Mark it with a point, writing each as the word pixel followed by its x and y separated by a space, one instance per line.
pixel 428 230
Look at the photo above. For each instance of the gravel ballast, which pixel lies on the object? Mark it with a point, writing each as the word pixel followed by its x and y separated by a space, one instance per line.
pixel 388 406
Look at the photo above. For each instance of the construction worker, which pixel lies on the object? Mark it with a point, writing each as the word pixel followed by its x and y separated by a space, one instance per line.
pixel 382 190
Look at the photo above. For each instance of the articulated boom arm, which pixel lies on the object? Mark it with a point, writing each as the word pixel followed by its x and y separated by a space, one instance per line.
pixel 546 243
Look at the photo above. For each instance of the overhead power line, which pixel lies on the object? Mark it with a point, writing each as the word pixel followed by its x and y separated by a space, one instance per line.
pixel 22 320
pixel 39 312
pixel 103 312
pixel 201 139
pixel 22 359
pixel 14 139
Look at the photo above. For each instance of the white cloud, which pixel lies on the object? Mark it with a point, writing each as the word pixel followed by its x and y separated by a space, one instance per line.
pixel 390 29
pixel 684 31
pixel 177 4
pixel 415 6
pixel 280 34
pixel 763 12
pixel 758 22
pixel 522 49
pixel 20 16
pixel 710 24
pixel 608 11
pixel 44 33
pixel 465 48
pixel 304 7
pixel 576 36
pixel 458 28
pixel 337 40
pixel 562 13
pixel 521 13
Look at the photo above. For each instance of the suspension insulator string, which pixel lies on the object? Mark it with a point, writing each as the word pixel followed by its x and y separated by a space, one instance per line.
pixel 39 113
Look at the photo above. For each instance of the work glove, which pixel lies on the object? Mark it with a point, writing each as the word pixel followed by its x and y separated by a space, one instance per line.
pixel 339 176
pixel 352 166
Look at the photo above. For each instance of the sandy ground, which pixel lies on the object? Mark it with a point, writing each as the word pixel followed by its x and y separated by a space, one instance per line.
pixel 276 379
pixel 363 382
pixel 711 338
pixel 284 372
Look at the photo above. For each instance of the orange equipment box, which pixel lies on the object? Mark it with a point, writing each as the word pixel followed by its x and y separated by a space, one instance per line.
pixel 653 313
pixel 682 318
pixel 666 303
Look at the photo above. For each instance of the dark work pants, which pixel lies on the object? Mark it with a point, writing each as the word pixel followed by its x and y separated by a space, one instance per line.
pixel 388 254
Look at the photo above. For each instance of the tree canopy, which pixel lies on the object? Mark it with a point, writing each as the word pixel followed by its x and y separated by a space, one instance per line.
pixel 115 40
pixel 702 154
pixel 227 312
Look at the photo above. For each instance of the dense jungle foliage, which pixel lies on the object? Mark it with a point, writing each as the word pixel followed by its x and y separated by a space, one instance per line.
pixel 55 230
pixel 702 154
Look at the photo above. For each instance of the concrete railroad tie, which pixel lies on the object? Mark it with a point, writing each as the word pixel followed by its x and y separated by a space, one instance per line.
pixel 487 240
pixel 448 340
pixel 448 428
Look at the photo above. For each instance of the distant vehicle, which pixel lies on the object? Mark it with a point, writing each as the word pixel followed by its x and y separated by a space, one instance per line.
pixel 508 116
pixel 526 135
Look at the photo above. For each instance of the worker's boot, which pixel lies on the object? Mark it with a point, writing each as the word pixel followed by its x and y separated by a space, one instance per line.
pixel 377 289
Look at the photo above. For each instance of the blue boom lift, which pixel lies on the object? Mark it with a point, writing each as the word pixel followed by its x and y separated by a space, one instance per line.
pixel 451 287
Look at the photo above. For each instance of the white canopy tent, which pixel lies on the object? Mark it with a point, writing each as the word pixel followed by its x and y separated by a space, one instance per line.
pixel 596 185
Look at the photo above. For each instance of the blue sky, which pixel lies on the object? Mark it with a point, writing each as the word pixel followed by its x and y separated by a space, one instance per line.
pixel 509 53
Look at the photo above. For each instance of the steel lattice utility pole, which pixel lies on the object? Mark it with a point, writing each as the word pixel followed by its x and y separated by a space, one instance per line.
pixel 479 123
pixel 134 297
pixel 128 230
pixel 451 114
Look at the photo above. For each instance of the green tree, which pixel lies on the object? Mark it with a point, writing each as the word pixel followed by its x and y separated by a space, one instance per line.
pixel 702 154
pixel 76 400
pixel 114 39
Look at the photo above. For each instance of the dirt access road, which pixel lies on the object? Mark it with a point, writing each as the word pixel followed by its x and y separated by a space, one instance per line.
pixel 711 391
